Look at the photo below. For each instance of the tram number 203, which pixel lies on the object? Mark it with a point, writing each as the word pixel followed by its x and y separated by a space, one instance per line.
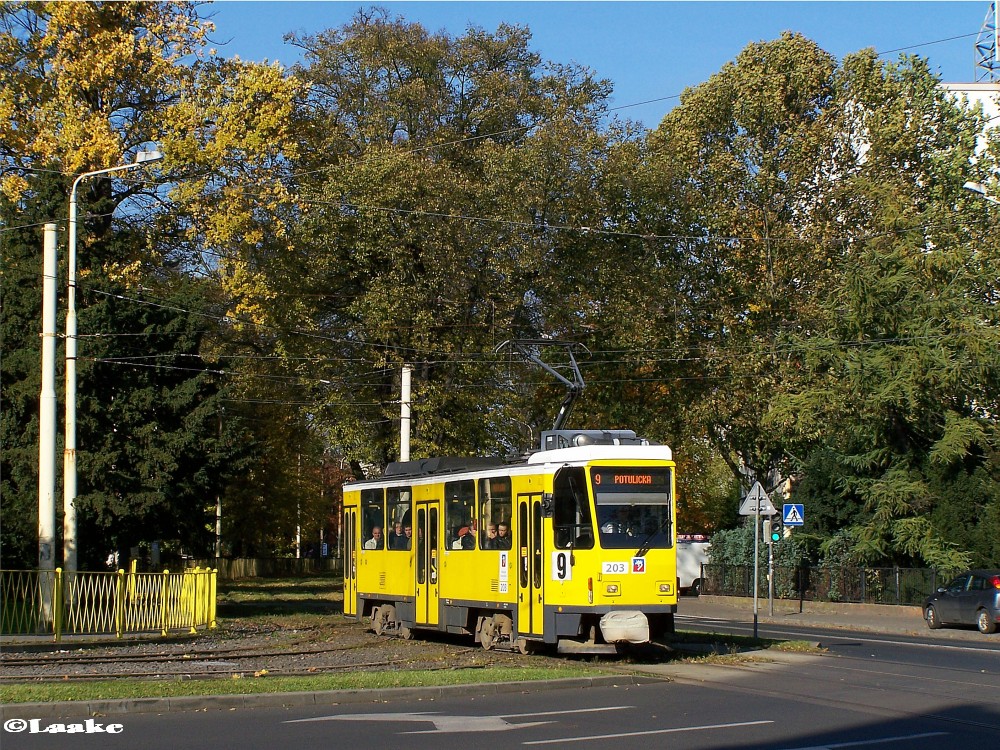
pixel 563 571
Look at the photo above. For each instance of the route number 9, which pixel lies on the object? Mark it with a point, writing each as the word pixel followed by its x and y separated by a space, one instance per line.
pixel 561 568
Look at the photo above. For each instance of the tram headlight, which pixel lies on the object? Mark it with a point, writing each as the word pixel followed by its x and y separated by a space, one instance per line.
pixel 666 588
pixel 612 589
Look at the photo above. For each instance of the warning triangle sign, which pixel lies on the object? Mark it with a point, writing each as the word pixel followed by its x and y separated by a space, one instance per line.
pixel 756 502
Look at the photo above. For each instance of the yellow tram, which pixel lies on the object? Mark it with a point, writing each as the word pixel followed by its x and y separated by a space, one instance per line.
pixel 573 545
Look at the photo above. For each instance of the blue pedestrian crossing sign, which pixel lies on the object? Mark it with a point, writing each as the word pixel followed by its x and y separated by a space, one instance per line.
pixel 793 514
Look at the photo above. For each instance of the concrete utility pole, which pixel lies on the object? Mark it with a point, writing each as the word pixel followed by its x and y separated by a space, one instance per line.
pixel 218 511
pixel 47 428
pixel 404 414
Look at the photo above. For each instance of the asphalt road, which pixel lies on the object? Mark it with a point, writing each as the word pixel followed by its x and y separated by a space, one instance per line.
pixel 761 707
pixel 891 633
pixel 886 682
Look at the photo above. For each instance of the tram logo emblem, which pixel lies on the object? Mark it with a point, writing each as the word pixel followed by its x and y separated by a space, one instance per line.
pixel 638 564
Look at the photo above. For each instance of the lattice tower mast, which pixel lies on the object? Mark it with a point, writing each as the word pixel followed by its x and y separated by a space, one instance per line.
pixel 988 48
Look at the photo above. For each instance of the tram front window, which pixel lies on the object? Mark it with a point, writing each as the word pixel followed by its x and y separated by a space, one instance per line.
pixel 633 507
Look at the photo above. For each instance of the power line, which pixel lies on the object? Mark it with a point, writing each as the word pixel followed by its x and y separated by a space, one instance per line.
pixel 927 44
pixel 643 356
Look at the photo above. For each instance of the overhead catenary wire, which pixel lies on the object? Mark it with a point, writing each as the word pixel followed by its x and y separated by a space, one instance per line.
pixel 447 356
pixel 728 359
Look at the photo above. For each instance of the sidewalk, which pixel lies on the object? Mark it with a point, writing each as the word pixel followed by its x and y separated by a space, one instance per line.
pixel 878 618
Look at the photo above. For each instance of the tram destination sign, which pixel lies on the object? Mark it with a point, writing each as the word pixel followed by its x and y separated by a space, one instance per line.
pixel 630 479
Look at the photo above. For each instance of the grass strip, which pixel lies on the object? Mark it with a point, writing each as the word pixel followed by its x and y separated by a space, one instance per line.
pixel 40 692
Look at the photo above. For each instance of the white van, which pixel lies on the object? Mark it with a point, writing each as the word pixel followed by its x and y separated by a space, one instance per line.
pixel 692 553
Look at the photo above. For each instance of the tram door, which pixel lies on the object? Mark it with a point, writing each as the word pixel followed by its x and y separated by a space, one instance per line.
pixel 428 560
pixel 350 561
pixel 529 564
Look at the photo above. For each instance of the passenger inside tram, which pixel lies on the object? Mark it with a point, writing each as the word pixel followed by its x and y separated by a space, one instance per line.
pixel 490 541
pixel 503 535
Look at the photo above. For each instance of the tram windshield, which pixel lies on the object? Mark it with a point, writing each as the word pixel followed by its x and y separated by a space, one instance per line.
pixel 633 507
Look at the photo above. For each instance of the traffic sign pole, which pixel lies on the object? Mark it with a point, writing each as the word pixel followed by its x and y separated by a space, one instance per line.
pixel 757 504
pixel 770 579
pixel 756 564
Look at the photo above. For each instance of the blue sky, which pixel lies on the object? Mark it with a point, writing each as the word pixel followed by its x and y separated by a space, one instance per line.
pixel 649 50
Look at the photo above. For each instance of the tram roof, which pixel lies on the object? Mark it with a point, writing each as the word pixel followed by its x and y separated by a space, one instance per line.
pixel 458 467
pixel 587 453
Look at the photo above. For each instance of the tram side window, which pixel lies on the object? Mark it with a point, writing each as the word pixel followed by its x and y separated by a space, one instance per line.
pixel 399 526
pixel 459 518
pixel 373 519
pixel 571 519
pixel 494 513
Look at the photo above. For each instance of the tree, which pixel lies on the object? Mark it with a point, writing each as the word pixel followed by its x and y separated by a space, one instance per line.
pixel 20 369
pixel 903 377
pixel 433 168
pixel 736 168
pixel 85 85
pixel 157 454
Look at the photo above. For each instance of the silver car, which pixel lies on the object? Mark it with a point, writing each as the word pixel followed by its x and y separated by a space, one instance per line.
pixel 972 598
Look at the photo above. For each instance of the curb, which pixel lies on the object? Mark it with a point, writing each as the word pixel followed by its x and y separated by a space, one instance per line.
pixel 88 709
pixel 784 607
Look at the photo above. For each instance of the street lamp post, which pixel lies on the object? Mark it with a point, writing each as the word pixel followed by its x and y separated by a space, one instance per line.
pixel 69 452
pixel 980 188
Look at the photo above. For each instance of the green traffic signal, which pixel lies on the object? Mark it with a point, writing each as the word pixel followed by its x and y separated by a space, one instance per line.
pixel 776 531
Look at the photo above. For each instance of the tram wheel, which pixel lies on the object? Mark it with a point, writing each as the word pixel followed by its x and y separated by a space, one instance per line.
pixel 389 618
pixel 488 633
pixel 405 633
pixel 522 645
pixel 383 618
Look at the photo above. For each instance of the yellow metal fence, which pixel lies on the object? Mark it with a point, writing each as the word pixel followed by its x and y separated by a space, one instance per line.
pixel 57 603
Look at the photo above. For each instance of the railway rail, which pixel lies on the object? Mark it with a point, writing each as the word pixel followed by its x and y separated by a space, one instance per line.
pixel 62 659
pixel 235 654
pixel 228 672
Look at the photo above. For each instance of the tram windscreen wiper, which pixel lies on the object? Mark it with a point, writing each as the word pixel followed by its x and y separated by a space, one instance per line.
pixel 644 548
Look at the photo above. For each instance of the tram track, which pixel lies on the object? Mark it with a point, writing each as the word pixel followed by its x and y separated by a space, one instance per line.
pixel 216 673
pixel 356 648
pixel 188 655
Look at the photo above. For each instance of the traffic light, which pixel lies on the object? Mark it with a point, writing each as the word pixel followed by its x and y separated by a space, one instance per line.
pixel 776 530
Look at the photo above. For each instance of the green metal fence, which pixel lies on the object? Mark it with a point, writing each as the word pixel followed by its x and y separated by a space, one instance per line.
pixel 905 586
pixel 237 568
pixel 57 603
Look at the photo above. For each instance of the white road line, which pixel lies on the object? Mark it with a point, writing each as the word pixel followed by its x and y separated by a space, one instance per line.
pixel 567 711
pixel 649 732
pixel 879 741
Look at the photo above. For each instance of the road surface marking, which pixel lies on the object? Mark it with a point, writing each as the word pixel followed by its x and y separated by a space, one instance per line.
pixel 459 723
pixel 648 732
